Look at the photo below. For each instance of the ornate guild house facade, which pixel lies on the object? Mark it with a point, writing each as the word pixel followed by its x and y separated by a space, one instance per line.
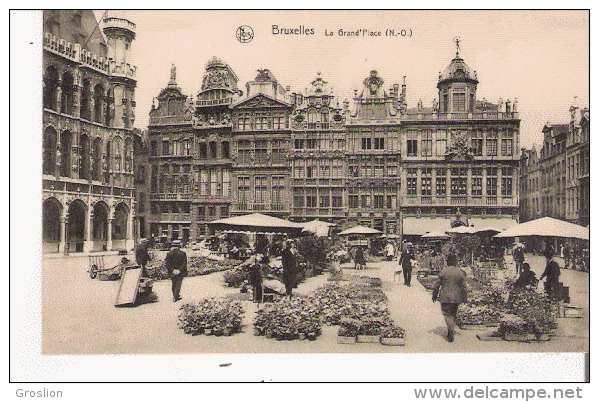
pixel 88 136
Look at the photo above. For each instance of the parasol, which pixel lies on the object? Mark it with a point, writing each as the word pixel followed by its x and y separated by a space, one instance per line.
pixel 488 229
pixel 462 230
pixel 435 235
pixel 547 227
pixel 360 230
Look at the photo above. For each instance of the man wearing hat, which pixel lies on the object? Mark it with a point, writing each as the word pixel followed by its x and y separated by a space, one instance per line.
pixel 552 273
pixel 289 261
pixel 405 260
pixel 176 266
pixel 142 256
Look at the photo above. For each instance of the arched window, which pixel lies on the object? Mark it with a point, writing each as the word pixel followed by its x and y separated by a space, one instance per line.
pixel 312 116
pixel 128 155
pixel 224 149
pixel 98 103
pixel 108 163
pixel 109 112
pixel 118 154
pixel 50 88
pixel 49 163
pixel 84 157
pixel 85 100
pixel 66 142
pixel 325 115
pixel 67 94
pixel 97 167
pixel 213 150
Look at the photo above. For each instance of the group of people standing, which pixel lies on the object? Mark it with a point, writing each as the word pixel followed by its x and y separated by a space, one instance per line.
pixel 257 265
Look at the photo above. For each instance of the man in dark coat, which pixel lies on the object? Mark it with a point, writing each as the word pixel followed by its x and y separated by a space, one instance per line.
pixel 518 258
pixel 142 256
pixel 526 278
pixel 405 260
pixel 176 265
pixel 552 273
pixel 451 290
pixel 289 260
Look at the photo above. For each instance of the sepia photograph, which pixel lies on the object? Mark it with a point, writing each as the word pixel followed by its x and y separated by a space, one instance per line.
pixel 335 186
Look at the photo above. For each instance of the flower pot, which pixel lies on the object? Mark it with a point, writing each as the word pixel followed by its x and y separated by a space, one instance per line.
pixel 227 332
pixel 312 336
pixel 368 338
pixel 543 337
pixel 208 331
pixel 393 341
pixel 346 340
pixel 301 336
pixel 257 332
pixel 217 332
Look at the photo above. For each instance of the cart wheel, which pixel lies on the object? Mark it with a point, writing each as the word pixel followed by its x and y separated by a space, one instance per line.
pixel 93 271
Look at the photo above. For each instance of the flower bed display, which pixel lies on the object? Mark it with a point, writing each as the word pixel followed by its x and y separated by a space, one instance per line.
pixel 428 281
pixel 483 308
pixel 537 310
pixel 348 331
pixel 351 300
pixel 196 266
pixel 211 316
pixel 392 335
pixel 235 277
pixel 288 319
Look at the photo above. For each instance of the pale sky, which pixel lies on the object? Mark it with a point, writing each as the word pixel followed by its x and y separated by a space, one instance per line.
pixel 539 57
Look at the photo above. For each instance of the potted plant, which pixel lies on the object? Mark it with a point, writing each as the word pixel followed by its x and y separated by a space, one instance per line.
pixel 392 335
pixel 348 331
pixel 370 330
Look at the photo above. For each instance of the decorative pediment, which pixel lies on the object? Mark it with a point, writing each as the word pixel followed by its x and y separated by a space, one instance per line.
pixel 459 150
pixel 261 101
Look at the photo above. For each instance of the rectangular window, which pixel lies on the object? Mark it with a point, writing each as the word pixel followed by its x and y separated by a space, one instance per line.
pixel 176 148
pixel 379 201
pixel 477 182
pixel 325 201
pixel 165 148
pixel 459 102
pixel 392 170
pixel 477 143
pixel 492 144
pixel 244 124
pixel 337 168
pixel 337 199
pixel 311 201
pixel 260 190
pixel 202 213
pixel 411 186
pixel 187 147
pixel 353 201
pixel 298 144
pixel 243 191
pixel 154 148
pixel 459 181
pixel 506 186
pixel 224 212
pixel 412 147
pixel 261 152
pixel 366 143
pixel 279 123
pixel 427 144
pixel 244 152
pixel 441 186
pixel 491 181
pixel 426 182
pixel 379 143
pixel 365 201
pixel 203 150
pixel 298 197
pixel 507 147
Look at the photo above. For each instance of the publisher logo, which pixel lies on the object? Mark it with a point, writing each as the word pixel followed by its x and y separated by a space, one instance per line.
pixel 245 34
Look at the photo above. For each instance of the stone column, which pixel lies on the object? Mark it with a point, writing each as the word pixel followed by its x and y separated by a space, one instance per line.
pixel 484 188
pixel 62 236
pixel 469 183
pixel 109 237
pixel 65 231
pixel 88 243
pixel 130 237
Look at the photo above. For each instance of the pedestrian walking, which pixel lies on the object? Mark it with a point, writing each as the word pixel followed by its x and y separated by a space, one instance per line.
pixel 359 259
pixel 451 290
pixel 255 277
pixel 142 256
pixel 390 251
pixel 552 273
pixel 176 266
pixel 518 258
pixel 289 262
pixel 405 260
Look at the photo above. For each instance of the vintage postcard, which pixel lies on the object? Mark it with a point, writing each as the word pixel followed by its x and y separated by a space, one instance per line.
pixel 331 189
